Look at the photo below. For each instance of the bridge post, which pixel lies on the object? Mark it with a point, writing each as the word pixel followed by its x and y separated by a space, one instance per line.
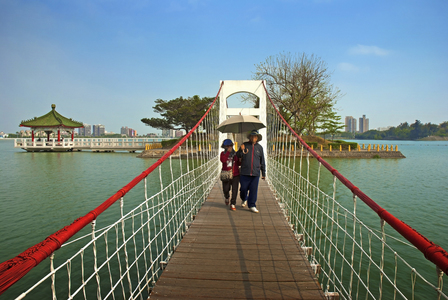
pixel 255 87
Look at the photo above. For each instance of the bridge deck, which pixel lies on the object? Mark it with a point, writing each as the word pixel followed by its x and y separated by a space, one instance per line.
pixel 238 254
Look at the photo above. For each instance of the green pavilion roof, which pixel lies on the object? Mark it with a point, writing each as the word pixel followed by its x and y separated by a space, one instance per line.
pixel 51 119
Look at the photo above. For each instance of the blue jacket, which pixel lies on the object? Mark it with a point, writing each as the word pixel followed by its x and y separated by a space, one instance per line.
pixel 253 161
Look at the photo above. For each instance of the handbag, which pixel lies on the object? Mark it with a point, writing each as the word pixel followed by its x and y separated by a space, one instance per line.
pixel 226 175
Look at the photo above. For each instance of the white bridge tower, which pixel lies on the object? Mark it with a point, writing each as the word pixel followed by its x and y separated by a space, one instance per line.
pixel 255 87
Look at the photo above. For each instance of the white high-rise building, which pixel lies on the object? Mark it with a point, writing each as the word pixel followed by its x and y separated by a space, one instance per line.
pixel 350 124
pixel 85 131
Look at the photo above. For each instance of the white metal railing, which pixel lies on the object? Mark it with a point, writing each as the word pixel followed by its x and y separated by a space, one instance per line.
pixel 27 143
pixel 123 260
pixel 114 143
pixel 346 242
pixel 133 144
pixel 127 246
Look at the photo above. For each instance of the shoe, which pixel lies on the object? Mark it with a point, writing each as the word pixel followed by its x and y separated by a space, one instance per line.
pixel 232 207
pixel 227 201
pixel 254 209
pixel 244 204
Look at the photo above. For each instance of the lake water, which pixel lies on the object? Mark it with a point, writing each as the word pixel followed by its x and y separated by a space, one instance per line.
pixel 414 189
pixel 42 192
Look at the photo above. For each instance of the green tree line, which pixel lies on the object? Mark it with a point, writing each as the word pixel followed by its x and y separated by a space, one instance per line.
pixel 406 131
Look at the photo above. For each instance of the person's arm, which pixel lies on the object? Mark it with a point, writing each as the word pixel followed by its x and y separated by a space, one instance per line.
pixel 236 160
pixel 262 165
pixel 239 153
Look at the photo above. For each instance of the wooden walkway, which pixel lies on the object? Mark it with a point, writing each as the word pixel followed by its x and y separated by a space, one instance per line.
pixel 238 255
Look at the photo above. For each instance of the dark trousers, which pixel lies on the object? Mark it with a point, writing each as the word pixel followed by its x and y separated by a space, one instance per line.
pixel 249 184
pixel 226 185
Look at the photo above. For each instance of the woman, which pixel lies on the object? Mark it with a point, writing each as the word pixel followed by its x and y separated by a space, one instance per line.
pixel 230 162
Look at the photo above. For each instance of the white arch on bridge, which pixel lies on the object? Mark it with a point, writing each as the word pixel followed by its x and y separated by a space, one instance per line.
pixel 254 87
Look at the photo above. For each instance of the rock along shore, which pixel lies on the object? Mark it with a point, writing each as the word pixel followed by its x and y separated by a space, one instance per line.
pixel 158 153
pixel 361 154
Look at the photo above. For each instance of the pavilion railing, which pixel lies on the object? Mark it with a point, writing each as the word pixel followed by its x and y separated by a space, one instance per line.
pixel 26 143
pixel 117 144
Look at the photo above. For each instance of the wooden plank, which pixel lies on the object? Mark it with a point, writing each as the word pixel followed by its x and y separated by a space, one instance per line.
pixel 202 289
pixel 238 254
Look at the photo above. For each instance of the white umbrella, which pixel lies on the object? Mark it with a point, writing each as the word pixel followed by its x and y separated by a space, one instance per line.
pixel 240 124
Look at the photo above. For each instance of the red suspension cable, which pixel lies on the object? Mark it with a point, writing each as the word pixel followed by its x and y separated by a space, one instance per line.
pixel 431 251
pixel 14 269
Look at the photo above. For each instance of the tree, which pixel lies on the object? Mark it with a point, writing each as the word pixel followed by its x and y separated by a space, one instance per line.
pixel 179 113
pixel 416 130
pixel 330 124
pixel 431 129
pixel 299 84
pixel 404 131
pixel 442 129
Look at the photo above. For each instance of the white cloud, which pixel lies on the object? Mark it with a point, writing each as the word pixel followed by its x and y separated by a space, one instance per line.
pixel 368 50
pixel 348 67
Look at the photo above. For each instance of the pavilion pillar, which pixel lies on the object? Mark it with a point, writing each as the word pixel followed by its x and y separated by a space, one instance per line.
pixel 32 135
pixel 59 135
pixel 73 134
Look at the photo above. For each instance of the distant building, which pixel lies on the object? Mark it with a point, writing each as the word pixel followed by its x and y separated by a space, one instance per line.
pixel 172 133
pixel 363 124
pixel 350 124
pixel 85 131
pixel 384 128
pixel 23 133
pixel 99 130
pixel 128 131
pixel 166 133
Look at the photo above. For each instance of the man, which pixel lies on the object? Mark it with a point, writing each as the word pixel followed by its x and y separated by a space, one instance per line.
pixel 252 164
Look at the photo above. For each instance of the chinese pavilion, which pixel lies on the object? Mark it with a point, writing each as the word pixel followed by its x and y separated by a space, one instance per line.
pixel 49 123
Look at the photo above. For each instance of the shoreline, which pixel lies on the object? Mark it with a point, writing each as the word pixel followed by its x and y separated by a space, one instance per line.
pixel 373 154
pixel 431 138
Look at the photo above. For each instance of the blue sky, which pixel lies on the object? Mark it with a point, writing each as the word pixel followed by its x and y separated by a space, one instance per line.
pixel 106 62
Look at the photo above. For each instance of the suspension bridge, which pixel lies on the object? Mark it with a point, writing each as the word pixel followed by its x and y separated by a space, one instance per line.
pixel 317 235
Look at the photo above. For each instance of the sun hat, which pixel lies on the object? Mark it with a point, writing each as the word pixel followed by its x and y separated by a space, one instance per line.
pixel 255 132
pixel 226 143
